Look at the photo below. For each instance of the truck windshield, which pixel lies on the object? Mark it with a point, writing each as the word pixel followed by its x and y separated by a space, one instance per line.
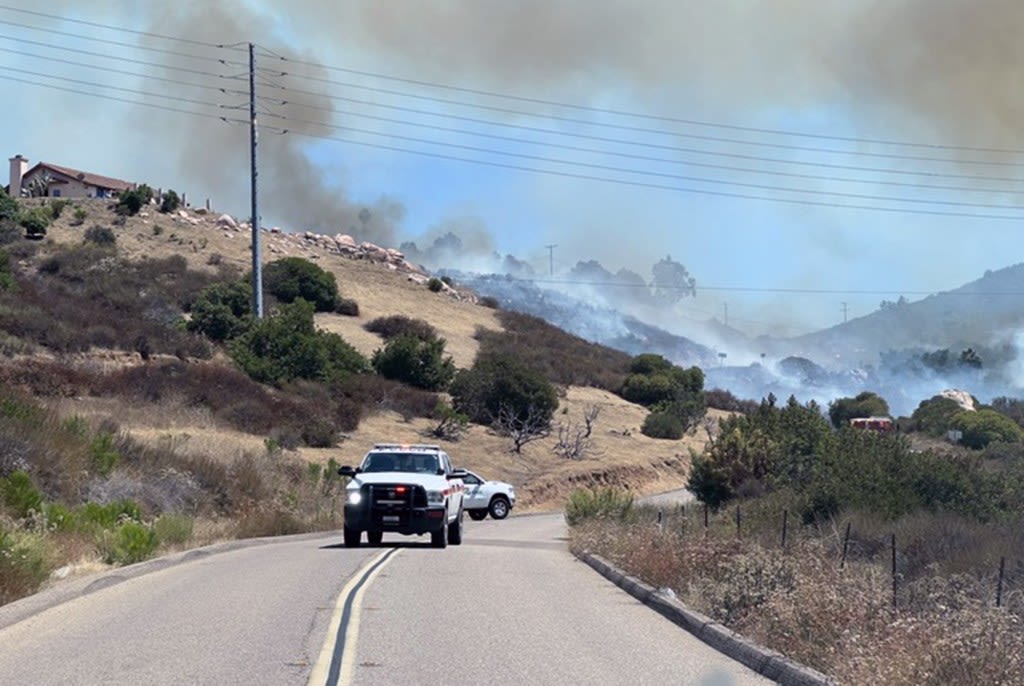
pixel 400 462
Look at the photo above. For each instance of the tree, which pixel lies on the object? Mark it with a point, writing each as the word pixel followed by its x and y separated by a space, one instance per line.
pixel 291 278
pixel 500 386
pixel 935 415
pixel 130 202
pixel 170 202
pixel 222 311
pixel 672 281
pixel 287 346
pixel 9 207
pixel 522 427
pixel 982 427
pixel 35 222
pixel 415 361
pixel 865 404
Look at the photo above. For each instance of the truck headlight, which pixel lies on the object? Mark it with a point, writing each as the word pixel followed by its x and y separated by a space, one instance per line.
pixel 355 497
pixel 436 497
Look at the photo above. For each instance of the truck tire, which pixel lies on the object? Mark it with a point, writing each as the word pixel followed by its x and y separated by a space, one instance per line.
pixel 499 507
pixel 439 538
pixel 477 515
pixel 374 537
pixel 352 537
pixel 455 531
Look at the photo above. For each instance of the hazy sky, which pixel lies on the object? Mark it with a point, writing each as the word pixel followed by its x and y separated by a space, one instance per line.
pixel 743 139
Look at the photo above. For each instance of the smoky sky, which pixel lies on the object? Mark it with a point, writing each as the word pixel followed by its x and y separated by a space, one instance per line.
pixel 945 70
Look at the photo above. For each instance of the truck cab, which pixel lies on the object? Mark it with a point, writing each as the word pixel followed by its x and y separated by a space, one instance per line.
pixel 406 489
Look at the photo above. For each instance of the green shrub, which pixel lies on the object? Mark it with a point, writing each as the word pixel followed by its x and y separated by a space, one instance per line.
pixel 34 223
pixel 709 482
pixel 100 235
pixel 497 383
pixel 598 503
pixel 418 362
pixel 490 302
pixel 396 325
pixel 173 529
pixel 287 346
pixel 79 216
pixel 982 427
pixel 935 415
pixel 57 208
pixel 130 202
pixel 9 208
pixel 291 278
pixel 866 404
pixel 20 495
pixel 170 202
pixel 129 543
pixel 663 425
pixel 95 515
pixel 25 563
pixel 347 307
pixel 435 284
pixel 222 311
pixel 103 455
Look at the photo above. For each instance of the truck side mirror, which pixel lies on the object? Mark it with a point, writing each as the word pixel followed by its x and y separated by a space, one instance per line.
pixel 348 471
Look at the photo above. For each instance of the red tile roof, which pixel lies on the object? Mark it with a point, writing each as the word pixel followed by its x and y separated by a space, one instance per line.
pixel 106 182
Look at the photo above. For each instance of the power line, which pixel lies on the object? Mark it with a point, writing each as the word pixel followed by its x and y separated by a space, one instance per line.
pixel 638 172
pixel 234 46
pixel 638 115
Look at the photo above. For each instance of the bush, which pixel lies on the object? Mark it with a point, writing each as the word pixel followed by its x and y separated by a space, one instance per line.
pixel 935 415
pixel 7 282
pixel 35 224
pixel 347 307
pixel 396 325
pixel 415 361
pixel 663 425
pixel 435 284
pixel 130 202
pixel 222 311
pixel 721 399
pixel 78 217
pixel 19 495
pixel 598 503
pixel 490 302
pixel 170 202
pixel 173 529
pixel 57 208
pixel 497 383
pixel 982 427
pixel 103 454
pixel 291 278
pixel 131 542
pixel 9 208
pixel 287 346
pixel 100 235
pixel 25 562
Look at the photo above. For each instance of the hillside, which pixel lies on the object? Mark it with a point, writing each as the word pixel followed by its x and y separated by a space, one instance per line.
pixel 620 454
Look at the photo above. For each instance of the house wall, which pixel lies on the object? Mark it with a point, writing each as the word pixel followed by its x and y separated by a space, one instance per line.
pixel 72 188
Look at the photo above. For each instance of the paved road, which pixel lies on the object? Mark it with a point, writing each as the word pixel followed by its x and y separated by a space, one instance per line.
pixel 509 606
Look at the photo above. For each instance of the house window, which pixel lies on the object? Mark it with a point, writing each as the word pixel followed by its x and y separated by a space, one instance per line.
pixel 56 192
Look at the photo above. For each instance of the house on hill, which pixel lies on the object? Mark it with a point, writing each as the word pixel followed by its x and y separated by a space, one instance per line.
pixel 45 179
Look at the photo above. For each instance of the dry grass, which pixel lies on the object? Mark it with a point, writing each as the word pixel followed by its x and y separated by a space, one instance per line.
pixel 800 602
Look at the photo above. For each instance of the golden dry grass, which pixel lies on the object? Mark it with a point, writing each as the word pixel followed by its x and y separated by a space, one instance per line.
pixel 619 453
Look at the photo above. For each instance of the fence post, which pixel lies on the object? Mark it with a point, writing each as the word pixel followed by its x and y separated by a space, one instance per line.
pixel 739 518
pixel 705 519
pixel 661 519
pixel 846 545
pixel 894 570
pixel 999 587
pixel 785 523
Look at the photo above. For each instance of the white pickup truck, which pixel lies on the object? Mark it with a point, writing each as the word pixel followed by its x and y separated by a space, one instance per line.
pixel 406 489
pixel 483 497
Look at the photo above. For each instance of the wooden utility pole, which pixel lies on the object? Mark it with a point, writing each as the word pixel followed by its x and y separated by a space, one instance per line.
pixel 257 256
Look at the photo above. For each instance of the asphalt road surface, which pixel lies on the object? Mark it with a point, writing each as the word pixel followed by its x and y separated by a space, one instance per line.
pixel 509 606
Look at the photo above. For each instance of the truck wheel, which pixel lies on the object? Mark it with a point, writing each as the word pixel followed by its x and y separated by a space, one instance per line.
pixel 477 515
pixel 374 537
pixel 352 537
pixel 455 531
pixel 499 508
pixel 439 538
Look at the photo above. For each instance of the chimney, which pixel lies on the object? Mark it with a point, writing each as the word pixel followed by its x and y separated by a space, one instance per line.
pixel 19 165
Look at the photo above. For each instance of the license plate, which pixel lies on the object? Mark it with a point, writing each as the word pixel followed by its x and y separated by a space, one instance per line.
pixel 390 519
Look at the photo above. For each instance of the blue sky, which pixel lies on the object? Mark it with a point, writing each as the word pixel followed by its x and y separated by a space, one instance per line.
pixel 906 71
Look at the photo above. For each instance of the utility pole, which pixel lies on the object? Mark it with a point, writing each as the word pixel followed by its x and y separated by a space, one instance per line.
pixel 257 257
pixel 844 312
pixel 551 258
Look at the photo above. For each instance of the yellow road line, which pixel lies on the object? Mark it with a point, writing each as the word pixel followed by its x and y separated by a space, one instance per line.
pixel 357 585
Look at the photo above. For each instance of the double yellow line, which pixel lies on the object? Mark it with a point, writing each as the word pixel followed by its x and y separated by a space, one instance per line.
pixel 335 668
